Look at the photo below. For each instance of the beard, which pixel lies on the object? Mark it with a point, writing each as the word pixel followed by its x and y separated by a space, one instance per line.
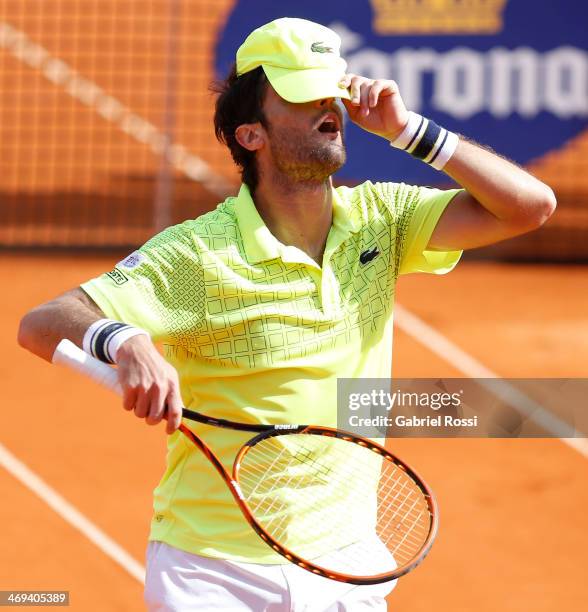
pixel 303 157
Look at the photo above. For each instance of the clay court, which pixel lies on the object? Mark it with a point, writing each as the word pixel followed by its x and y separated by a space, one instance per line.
pixel 512 531
pixel 89 172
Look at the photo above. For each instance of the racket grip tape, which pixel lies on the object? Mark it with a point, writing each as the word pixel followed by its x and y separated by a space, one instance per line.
pixel 69 355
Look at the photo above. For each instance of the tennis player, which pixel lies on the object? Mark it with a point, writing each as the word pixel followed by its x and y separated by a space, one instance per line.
pixel 262 303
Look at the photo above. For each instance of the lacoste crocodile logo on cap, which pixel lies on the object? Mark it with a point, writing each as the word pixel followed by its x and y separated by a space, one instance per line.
pixel 319 47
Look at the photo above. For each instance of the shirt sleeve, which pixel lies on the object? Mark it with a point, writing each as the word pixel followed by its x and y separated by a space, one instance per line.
pixel 416 211
pixel 159 288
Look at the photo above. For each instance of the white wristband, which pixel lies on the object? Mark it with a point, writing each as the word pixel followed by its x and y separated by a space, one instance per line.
pixel 445 153
pixel 409 132
pixel 427 141
pixel 104 337
pixel 117 339
pixel 92 333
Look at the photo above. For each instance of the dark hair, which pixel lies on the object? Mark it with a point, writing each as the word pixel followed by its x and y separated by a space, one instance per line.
pixel 240 100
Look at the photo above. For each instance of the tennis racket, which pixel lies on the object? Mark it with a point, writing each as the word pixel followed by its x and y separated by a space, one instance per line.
pixel 334 503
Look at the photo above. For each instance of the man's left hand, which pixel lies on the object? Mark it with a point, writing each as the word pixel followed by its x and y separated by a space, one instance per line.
pixel 375 106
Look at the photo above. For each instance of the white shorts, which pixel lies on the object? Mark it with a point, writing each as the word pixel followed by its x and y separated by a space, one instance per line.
pixel 178 581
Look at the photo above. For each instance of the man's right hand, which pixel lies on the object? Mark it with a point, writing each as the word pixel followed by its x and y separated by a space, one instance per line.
pixel 150 385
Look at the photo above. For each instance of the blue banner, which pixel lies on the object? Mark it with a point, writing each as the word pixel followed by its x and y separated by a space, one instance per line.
pixel 511 74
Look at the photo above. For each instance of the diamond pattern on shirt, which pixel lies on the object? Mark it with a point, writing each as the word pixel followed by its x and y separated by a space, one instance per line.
pixel 218 306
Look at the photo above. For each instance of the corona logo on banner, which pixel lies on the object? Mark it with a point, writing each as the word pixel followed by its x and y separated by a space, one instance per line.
pixel 437 16
pixel 509 74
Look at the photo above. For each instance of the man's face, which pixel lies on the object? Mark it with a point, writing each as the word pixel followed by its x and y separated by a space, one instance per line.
pixel 305 140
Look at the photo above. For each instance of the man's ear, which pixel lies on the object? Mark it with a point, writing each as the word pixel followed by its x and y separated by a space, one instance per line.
pixel 250 136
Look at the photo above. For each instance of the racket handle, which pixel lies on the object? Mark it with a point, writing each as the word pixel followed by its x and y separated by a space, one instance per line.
pixel 68 354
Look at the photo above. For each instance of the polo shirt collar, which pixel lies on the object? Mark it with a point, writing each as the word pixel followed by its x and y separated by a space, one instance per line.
pixel 345 218
pixel 259 243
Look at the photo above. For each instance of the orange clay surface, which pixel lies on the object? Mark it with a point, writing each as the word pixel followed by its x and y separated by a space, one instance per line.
pixel 513 531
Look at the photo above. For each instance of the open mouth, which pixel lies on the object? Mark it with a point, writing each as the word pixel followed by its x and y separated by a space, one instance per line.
pixel 329 124
pixel 329 127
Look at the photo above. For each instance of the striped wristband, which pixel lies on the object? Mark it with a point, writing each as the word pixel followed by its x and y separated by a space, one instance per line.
pixel 427 141
pixel 104 337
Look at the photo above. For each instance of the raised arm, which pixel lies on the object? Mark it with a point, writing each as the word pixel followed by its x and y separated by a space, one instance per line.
pixel 501 200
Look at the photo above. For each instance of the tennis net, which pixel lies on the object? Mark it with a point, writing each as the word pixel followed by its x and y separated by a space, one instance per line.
pixel 106 132
pixel 106 119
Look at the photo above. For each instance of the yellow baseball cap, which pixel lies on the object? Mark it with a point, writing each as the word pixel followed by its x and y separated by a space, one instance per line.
pixel 300 59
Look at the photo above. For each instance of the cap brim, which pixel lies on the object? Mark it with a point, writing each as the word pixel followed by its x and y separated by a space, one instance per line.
pixel 306 85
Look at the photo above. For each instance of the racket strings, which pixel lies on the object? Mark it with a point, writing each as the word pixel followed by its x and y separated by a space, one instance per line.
pixel 399 509
pixel 403 549
pixel 258 473
pixel 336 502
pixel 283 473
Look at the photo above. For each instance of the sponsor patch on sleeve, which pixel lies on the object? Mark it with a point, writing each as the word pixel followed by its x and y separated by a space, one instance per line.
pixel 117 277
pixel 133 260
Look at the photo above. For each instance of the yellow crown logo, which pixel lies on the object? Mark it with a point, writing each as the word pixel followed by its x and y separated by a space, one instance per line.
pixel 438 16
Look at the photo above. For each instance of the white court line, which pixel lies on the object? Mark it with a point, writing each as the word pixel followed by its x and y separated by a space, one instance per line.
pixel 90 94
pixel 441 346
pixel 408 322
pixel 70 514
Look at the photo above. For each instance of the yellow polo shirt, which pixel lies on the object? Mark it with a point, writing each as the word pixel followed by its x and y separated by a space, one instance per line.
pixel 259 332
